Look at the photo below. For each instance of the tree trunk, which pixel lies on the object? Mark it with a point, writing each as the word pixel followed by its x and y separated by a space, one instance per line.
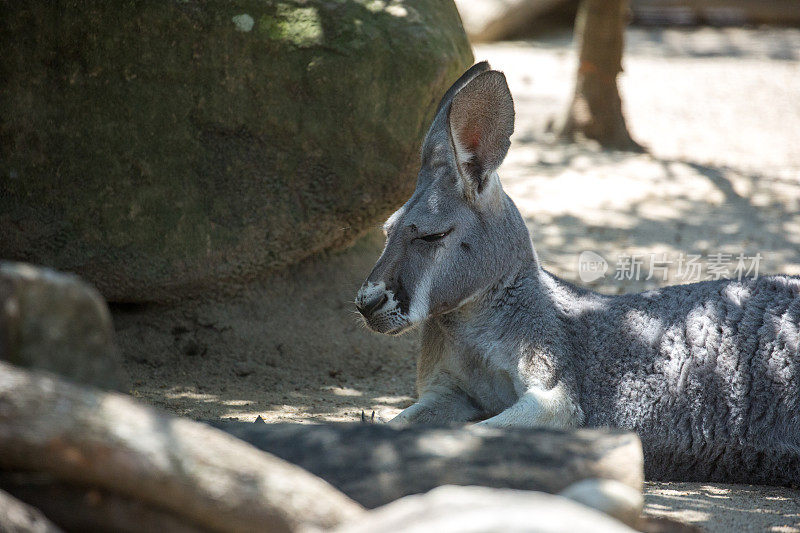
pixel 596 108
pixel 376 464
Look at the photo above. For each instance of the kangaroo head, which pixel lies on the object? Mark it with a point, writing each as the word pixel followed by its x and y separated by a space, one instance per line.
pixel 459 232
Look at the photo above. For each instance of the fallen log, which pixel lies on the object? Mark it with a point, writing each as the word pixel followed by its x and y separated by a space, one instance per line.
pixel 375 464
pixel 79 508
pixel 111 442
pixel 19 517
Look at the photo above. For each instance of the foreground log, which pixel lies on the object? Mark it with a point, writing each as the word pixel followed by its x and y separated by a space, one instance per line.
pixel 111 442
pixel 375 464
pixel 18 517
pixel 476 509
pixel 79 508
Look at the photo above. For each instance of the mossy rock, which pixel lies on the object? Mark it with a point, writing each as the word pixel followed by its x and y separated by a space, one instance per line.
pixel 169 148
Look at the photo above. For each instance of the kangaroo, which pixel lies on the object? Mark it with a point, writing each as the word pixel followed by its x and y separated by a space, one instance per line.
pixel 707 374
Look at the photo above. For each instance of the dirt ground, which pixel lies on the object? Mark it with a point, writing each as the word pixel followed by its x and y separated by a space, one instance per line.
pixel 718 110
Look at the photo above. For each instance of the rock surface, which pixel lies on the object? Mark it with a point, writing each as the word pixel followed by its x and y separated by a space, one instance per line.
pixel 175 148
pixel 56 322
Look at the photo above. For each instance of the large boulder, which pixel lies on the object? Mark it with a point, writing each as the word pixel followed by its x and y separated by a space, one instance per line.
pixel 169 148
pixel 56 322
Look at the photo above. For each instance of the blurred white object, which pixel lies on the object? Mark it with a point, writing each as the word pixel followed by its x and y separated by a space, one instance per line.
pixel 608 496
pixel 493 20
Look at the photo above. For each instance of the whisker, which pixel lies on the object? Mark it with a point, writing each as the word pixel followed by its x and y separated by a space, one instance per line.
pixel 412 328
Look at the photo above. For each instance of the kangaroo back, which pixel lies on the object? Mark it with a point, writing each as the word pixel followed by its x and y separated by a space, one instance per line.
pixel 707 374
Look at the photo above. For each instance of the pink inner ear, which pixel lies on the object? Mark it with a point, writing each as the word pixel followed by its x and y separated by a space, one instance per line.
pixel 473 139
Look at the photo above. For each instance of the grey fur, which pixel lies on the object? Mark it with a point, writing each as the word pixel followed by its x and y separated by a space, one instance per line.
pixel 707 374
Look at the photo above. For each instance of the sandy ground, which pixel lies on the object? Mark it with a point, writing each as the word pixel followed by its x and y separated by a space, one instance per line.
pixel 719 112
pixel 725 508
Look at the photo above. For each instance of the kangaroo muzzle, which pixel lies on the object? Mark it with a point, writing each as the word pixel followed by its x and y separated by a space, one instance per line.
pixel 381 309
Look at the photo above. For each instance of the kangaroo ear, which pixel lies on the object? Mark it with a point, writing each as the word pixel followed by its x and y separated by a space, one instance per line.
pixel 459 84
pixel 481 121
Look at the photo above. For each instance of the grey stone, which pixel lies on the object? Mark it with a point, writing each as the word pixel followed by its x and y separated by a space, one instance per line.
pixel 56 322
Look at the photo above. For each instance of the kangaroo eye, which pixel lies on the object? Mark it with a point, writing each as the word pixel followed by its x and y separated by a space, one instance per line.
pixel 435 236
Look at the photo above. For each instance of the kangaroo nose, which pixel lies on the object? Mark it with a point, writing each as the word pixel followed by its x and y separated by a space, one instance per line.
pixel 372 305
